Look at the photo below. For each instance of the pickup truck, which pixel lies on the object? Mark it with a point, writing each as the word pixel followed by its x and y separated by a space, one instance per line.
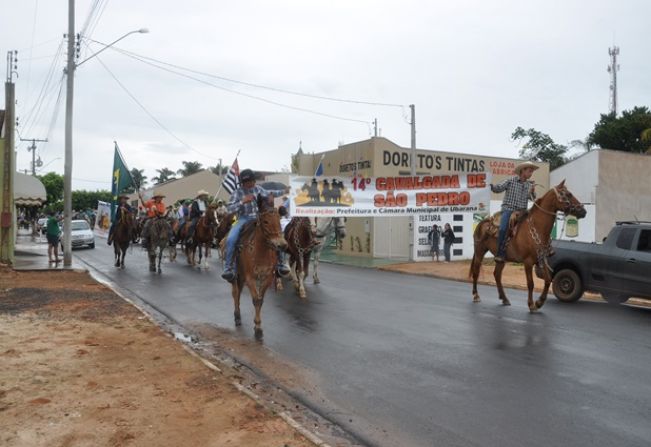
pixel 618 268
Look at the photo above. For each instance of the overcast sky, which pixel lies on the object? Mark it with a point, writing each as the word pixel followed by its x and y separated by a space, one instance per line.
pixel 475 69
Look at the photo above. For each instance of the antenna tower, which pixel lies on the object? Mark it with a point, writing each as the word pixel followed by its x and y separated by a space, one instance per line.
pixel 613 68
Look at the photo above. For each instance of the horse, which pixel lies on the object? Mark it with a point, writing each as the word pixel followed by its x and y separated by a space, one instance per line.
pixel 300 241
pixel 256 260
pixel 204 234
pixel 122 236
pixel 171 248
pixel 327 229
pixel 159 237
pixel 530 244
pixel 223 227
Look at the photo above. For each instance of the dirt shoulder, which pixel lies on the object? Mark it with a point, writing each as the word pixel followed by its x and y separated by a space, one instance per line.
pixel 81 367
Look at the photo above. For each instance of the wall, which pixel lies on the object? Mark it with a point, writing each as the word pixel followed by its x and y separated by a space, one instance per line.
pixel 580 176
pixel 186 188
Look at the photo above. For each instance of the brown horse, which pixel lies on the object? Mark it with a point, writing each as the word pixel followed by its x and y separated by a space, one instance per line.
pixel 300 241
pixel 204 234
pixel 530 245
pixel 256 261
pixel 123 234
pixel 159 237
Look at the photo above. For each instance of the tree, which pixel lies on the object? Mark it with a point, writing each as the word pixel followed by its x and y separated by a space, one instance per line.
pixel 646 138
pixel 623 133
pixel 164 175
pixel 540 147
pixel 216 170
pixel 83 200
pixel 189 168
pixel 53 183
pixel 139 180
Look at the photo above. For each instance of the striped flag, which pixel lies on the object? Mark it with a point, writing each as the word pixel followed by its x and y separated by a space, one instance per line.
pixel 232 180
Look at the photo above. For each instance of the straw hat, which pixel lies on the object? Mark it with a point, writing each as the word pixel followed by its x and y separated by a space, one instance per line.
pixel 526 164
pixel 202 192
pixel 158 194
pixel 126 196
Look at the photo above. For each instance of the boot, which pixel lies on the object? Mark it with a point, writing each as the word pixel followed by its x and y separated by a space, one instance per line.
pixel 109 241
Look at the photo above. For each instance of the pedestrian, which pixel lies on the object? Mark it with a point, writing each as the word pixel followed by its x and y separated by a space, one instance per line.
pixel 434 238
pixel 448 240
pixel 53 235
pixel 518 191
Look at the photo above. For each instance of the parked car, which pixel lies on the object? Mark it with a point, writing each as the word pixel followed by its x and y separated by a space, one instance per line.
pixel 81 234
pixel 619 268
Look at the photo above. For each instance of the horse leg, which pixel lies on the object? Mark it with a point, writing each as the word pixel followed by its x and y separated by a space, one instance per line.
pixel 124 253
pixel 300 277
pixel 497 273
pixel 152 261
pixel 475 268
pixel 315 275
pixel 236 290
pixel 160 258
pixel 528 270
pixel 256 296
pixel 540 302
pixel 116 251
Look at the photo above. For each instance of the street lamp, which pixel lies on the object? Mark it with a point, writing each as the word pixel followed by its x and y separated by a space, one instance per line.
pixel 67 169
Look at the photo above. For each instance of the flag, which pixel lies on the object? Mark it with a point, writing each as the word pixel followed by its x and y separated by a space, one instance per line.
pixel 232 180
pixel 319 169
pixel 121 178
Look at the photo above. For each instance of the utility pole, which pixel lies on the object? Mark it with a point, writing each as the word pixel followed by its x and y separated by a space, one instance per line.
pixel 613 68
pixel 32 148
pixel 412 162
pixel 67 167
pixel 7 164
pixel 375 127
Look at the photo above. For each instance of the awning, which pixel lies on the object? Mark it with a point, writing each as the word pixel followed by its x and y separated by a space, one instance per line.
pixel 28 190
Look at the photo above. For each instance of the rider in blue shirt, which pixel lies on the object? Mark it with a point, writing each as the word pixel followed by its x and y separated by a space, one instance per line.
pixel 243 202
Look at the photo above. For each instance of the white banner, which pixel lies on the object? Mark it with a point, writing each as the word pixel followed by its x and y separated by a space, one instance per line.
pixel 389 196
pixel 103 219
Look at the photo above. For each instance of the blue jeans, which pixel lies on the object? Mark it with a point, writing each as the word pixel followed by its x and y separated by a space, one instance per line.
pixel 504 227
pixel 233 237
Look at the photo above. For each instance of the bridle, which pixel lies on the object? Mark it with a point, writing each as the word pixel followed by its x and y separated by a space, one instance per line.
pixel 563 197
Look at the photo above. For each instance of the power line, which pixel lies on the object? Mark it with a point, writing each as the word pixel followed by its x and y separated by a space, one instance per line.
pixel 156 120
pixel 251 84
pixel 258 98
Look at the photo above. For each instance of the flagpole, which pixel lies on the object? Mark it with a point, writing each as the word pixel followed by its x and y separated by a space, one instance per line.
pixel 214 198
pixel 318 164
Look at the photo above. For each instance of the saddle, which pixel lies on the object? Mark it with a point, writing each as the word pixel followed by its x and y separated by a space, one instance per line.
pixel 516 218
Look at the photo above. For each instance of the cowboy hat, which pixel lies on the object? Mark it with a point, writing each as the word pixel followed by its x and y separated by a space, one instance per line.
pixel 126 196
pixel 523 165
pixel 202 192
pixel 158 194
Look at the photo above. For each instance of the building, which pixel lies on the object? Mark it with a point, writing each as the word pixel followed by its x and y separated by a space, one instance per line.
pixel 611 184
pixel 392 237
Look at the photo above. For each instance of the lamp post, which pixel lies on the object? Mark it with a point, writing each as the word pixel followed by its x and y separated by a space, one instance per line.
pixel 67 169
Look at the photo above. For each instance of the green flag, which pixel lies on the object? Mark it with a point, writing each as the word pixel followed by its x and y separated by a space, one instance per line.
pixel 121 178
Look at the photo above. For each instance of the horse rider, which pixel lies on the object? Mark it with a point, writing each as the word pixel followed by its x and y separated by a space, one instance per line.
pixel 518 191
pixel 154 207
pixel 221 209
pixel 123 207
pixel 197 209
pixel 243 202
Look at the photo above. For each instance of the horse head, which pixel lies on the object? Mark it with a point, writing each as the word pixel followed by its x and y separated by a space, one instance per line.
pixel 269 222
pixel 567 202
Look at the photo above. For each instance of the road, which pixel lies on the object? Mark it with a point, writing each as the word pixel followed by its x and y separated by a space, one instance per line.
pixel 411 361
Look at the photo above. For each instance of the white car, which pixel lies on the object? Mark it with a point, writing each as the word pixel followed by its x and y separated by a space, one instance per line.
pixel 81 234
pixel 41 224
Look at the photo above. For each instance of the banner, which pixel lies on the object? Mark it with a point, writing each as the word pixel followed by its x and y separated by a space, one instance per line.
pixel 103 217
pixel 389 196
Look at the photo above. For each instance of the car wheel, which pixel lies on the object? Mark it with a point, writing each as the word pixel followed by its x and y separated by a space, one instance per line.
pixel 614 298
pixel 91 245
pixel 567 286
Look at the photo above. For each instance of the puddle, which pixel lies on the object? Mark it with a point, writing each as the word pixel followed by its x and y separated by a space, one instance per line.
pixel 185 338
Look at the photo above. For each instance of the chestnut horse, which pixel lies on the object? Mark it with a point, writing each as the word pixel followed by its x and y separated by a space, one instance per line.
pixel 530 245
pixel 223 227
pixel 300 241
pixel 123 234
pixel 204 234
pixel 256 260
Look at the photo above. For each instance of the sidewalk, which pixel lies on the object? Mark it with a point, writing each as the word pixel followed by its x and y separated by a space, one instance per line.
pixel 31 253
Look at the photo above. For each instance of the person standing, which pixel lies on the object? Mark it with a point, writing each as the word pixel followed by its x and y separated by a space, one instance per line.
pixel 53 234
pixel 448 240
pixel 518 191
pixel 434 238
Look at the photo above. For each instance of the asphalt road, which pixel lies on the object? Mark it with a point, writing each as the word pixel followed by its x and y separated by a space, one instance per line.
pixel 411 361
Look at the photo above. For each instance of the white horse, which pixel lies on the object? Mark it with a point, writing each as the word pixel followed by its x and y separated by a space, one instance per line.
pixel 327 229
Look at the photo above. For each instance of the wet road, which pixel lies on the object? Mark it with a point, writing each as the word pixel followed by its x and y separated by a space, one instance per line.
pixel 410 361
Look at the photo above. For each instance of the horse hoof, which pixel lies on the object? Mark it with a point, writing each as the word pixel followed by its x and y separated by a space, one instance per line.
pixel 160 271
pixel 152 269
pixel 539 304
pixel 258 333
pixel 476 299
pixel 117 264
pixel 505 302
pixel 316 281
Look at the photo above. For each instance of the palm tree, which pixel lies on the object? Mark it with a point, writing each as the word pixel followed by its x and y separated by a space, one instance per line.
pixel 139 180
pixel 164 175
pixel 189 168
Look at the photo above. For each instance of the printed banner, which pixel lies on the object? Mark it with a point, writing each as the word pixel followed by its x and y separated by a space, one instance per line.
pixel 103 220
pixel 389 196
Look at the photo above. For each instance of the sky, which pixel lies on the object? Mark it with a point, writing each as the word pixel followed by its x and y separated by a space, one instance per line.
pixel 475 70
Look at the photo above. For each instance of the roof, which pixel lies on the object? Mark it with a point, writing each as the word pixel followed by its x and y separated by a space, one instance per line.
pixel 28 190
